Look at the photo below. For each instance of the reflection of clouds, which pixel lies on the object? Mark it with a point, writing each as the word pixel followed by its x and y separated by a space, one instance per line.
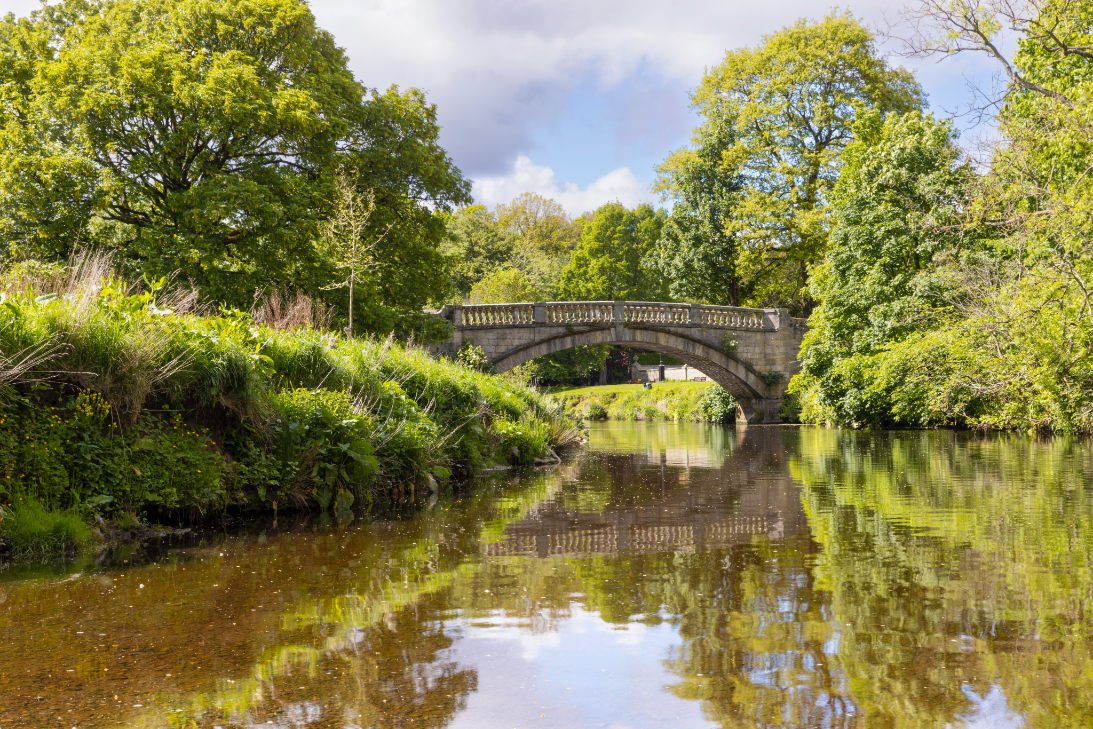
pixel 515 630
pixel 988 712
pixel 586 672
pixel 296 715
pixel 629 634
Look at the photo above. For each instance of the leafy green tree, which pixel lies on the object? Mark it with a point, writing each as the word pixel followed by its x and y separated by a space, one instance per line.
pixel 1016 351
pixel 540 222
pixel 790 104
pixel 896 213
pixel 344 238
pixel 609 262
pixel 507 286
pixel 477 247
pixel 699 252
pixel 204 137
pixel 545 238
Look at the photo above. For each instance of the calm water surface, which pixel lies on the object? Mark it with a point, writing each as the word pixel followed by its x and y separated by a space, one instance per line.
pixel 668 576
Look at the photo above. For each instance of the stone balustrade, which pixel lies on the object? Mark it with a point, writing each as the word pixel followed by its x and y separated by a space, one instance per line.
pixel 730 316
pixel 613 312
pixel 491 315
pixel 645 312
pixel 578 312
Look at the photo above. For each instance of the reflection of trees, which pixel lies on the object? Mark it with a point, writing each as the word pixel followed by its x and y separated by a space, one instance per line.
pixel 754 649
pixel 282 629
pixel 397 673
pixel 955 562
pixel 754 627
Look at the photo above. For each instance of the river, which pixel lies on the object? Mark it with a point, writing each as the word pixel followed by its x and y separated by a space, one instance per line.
pixel 668 575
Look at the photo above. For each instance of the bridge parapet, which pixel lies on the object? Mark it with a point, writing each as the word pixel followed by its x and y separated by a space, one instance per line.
pixel 612 312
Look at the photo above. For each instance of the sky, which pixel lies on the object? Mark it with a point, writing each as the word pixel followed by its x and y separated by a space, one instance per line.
pixel 577 100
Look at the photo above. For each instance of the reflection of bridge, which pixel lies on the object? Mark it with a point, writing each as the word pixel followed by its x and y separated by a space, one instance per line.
pixel 686 508
pixel 643 538
pixel 737 348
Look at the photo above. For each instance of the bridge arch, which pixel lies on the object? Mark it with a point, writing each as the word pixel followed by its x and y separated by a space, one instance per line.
pixel 737 348
pixel 733 375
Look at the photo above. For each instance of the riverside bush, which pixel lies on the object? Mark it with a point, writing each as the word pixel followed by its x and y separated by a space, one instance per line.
pixel 596 411
pixel 322 446
pixel 522 441
pixel 717 405
pixel 29 529
pixel 71 458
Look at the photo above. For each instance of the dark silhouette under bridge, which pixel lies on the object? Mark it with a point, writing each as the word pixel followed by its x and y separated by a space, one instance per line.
pixel 752 353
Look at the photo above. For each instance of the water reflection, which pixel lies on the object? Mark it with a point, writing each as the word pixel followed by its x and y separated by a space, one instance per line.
pixel 670 575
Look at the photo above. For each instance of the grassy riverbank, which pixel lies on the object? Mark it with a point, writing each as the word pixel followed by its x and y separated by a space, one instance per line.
pixel 687 401
pixel 139 404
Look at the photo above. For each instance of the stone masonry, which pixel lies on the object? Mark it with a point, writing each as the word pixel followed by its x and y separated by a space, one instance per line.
pixel 743 350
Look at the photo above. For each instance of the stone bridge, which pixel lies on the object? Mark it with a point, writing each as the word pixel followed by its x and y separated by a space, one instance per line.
pixel 752 353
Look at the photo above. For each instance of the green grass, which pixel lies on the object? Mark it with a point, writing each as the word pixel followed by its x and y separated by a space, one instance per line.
pixel 29 529
pixel 676 401
pixel 571 391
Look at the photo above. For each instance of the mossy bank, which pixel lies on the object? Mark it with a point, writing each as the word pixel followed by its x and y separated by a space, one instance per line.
pixel 136 402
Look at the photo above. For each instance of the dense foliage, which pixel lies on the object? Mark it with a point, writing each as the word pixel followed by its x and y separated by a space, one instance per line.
pixel 755 187
pixel 118 401
pixel 895 226
pixel 609 263
pixel 955 298
pixel 205 138
pixel 701 402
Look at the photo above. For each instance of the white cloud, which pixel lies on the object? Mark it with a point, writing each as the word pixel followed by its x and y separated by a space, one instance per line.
pixel 526 176
pixel 500 70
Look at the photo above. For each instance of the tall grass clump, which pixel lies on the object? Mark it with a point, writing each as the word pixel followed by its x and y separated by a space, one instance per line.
pixel 29 529
pixel 118 398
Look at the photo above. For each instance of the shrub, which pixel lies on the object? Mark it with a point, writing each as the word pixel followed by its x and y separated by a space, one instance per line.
pixel 596 411
pixel 773 378
pixel 474 357
pixel 72 457
pixel 717 405
pixel 321 446
pixel 790 409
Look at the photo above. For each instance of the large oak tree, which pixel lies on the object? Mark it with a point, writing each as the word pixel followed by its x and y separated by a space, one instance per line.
pixel 204 137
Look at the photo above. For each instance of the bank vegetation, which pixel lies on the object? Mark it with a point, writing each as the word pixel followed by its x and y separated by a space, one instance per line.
pixel 137 402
